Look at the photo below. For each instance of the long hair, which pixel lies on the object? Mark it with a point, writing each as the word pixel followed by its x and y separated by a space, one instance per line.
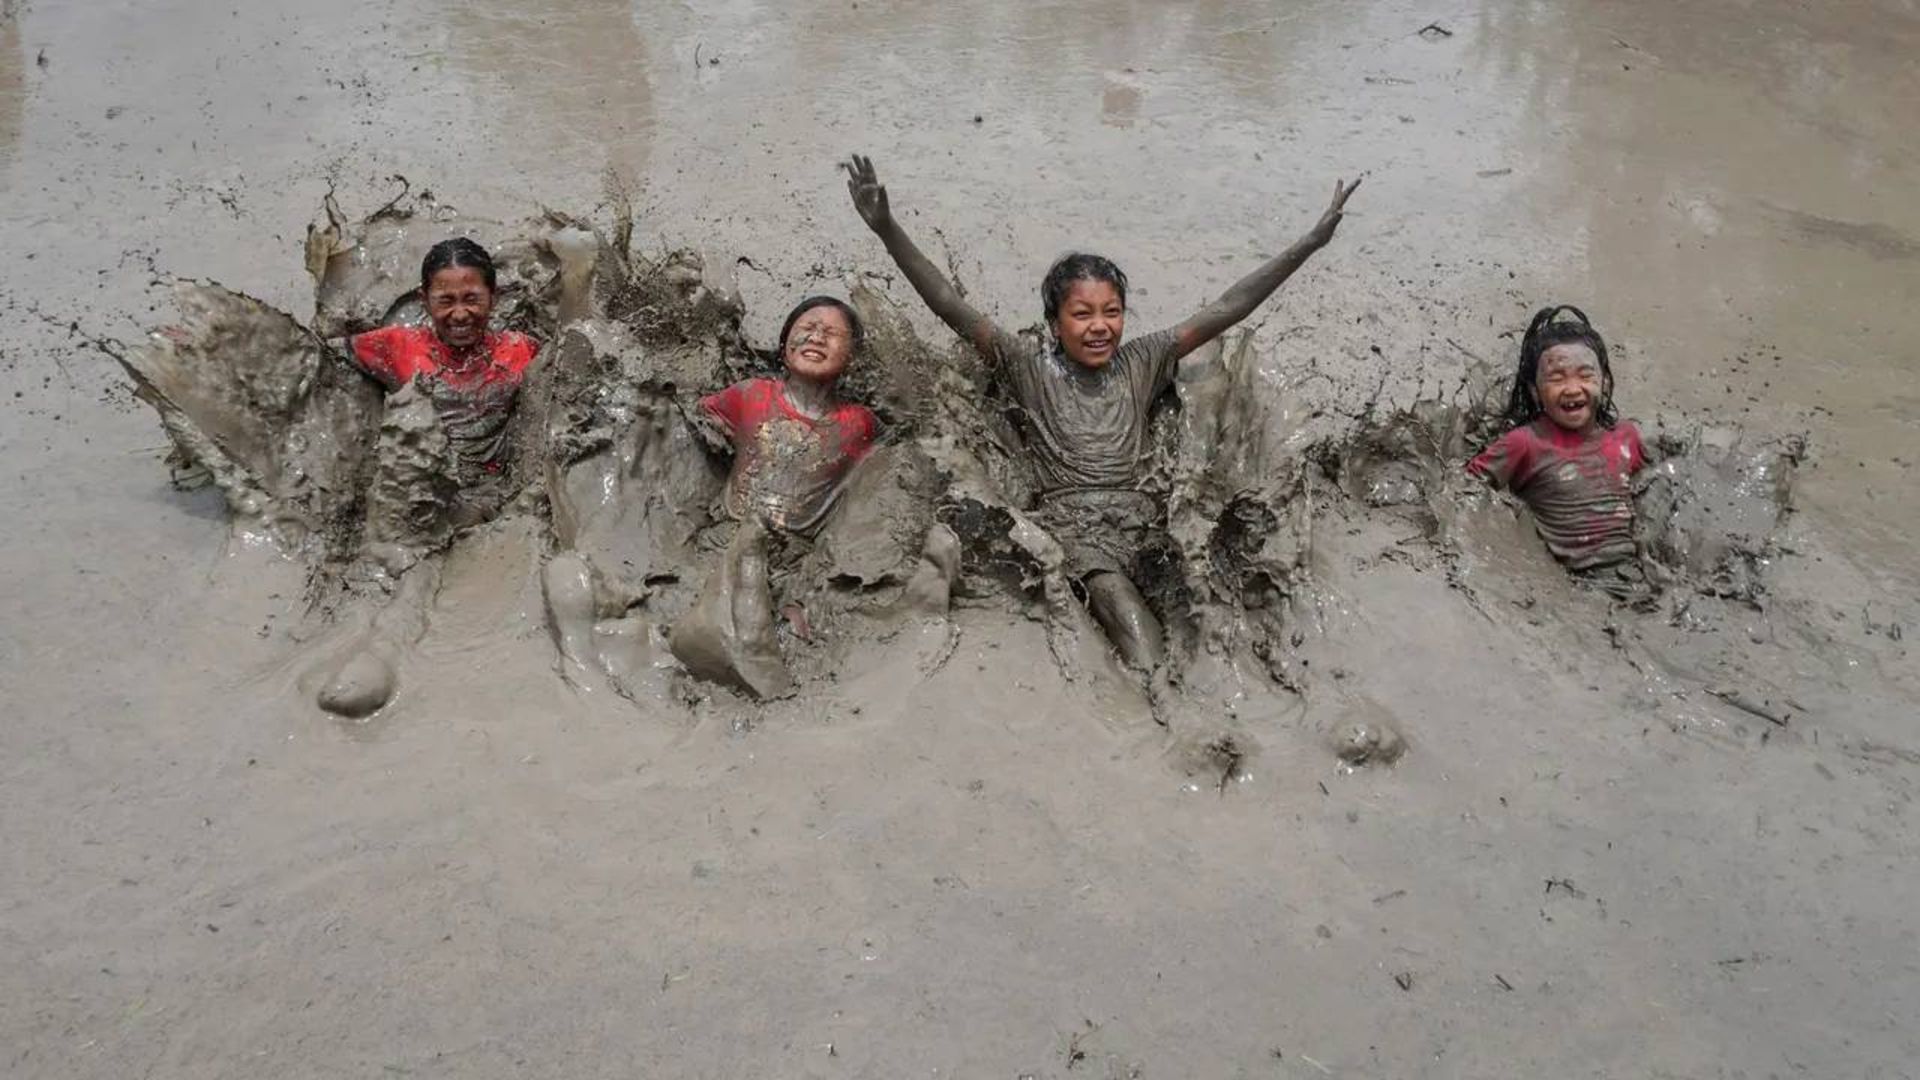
pixel 1545 331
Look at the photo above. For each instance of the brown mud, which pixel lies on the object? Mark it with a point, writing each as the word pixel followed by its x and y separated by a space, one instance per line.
pixel 1424 804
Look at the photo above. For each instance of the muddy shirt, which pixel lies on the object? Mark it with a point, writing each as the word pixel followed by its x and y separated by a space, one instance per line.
pixel 787 467
pixel 473 398
pixel 1087 428
pixel 1578 486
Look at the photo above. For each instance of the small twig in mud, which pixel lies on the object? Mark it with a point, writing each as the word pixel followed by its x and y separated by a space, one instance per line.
pixel 1405 980
pixel 1565 885
pixel 1749 706
pixel 1075 1055
pixel 405 187
pixel 1434 31
pixel 1394 895
pixel 751 265
pixel 1502 980
pixel 1231 756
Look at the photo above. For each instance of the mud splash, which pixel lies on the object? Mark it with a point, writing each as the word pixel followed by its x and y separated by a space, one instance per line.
pixel 648 580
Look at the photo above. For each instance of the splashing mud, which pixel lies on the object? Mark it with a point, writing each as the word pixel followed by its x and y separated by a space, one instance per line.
pixel 646 575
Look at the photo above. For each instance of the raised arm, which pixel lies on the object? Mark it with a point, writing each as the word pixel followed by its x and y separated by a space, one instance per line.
pixel 1249 292
pixel 870 199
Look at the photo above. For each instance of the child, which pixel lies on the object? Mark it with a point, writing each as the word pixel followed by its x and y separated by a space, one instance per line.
pixel 471 375
pixel 793 440
pixel 1566 454
pixel 470 372
pixel 1087 397
pixel 794 443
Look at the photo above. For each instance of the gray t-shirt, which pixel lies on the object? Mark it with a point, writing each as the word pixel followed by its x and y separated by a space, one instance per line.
pixel 1087 428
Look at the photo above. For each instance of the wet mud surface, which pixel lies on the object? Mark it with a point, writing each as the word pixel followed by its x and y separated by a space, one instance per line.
pixel 1408 799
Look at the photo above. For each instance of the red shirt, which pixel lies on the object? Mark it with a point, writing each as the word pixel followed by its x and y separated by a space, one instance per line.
pixel 787 466
pixel 1578 485
pixel 473 395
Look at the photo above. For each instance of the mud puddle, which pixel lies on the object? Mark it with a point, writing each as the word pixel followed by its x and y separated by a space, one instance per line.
pixel 210 870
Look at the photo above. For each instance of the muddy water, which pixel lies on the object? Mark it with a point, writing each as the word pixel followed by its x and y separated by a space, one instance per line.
pixel 968 874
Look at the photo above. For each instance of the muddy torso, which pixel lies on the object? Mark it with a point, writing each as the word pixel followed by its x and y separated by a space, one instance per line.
pixel 1579 486
pixel 1087 428
pixel 787 467
pixel 472 397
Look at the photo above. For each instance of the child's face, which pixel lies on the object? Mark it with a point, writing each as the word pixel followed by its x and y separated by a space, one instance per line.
pixel 820 344
pixel 1569 385
pixel 460 304
pixel 1089 323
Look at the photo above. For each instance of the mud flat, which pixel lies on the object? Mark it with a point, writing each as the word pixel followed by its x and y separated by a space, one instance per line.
pixel 1443 813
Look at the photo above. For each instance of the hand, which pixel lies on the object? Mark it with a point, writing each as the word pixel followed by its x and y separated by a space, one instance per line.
pixel 1329 221
pixel 869 195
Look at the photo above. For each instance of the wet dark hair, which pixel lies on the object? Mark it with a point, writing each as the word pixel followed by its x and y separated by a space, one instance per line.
pixel 455 253
pixel 811 302
pixel 1545 331
pixel 1078 266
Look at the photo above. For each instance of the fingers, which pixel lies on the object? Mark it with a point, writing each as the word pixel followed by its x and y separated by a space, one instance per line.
pixel 1341 192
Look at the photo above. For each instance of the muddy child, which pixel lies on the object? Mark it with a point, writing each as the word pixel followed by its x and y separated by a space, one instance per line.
pixel 468 375
pixel 794 442
pixel 1086 395
pixel 470 372
pixel 1567 454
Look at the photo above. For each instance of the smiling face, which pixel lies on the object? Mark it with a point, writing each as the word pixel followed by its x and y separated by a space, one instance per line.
pixel 1570 386
pixel 460 305
pixel 819 345
pixel 1091 319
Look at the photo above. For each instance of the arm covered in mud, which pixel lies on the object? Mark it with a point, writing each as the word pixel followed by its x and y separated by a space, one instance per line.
pixel 372 353
pixel 940 294
pixel 1251 291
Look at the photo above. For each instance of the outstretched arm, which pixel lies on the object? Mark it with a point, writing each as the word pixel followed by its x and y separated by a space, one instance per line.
pixel 870 199
pixel 1249 292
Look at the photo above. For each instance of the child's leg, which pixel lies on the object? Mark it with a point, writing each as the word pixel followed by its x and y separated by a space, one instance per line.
pixel 567 582
pixel 365 681
pixel 1124 615
pixel 727 636
pixel 930 590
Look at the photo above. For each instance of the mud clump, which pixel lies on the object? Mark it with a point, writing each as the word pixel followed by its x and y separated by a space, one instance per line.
pixel 1710 508
pixel 1364 741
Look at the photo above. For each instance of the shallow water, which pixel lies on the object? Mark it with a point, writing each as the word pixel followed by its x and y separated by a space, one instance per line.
pixel 961 877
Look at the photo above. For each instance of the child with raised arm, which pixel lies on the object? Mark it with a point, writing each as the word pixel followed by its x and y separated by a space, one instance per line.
pixel 1566 452
pixel 1087 397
